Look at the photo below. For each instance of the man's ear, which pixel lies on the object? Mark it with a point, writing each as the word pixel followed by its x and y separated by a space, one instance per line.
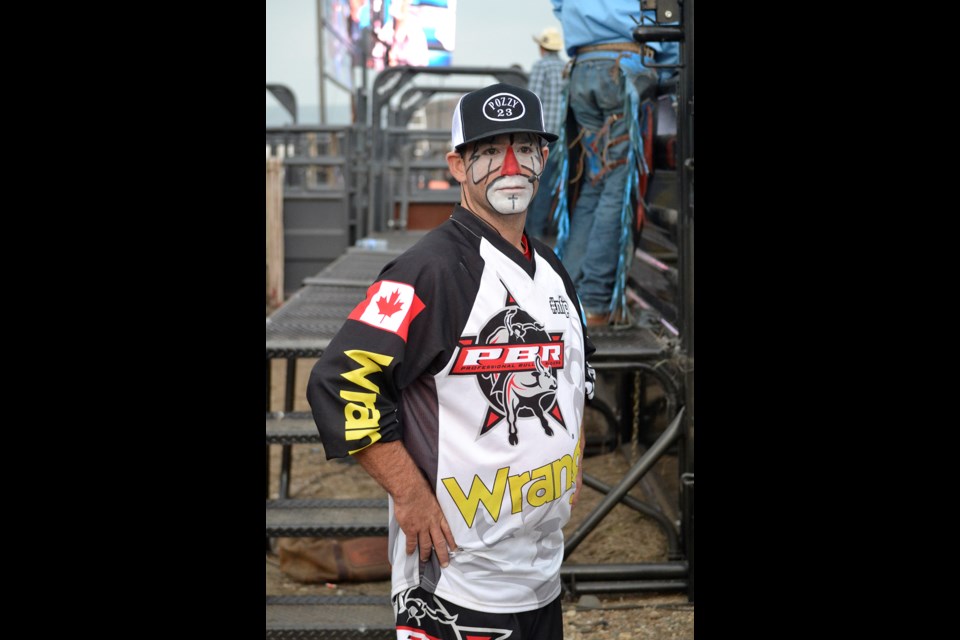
pixel 457 168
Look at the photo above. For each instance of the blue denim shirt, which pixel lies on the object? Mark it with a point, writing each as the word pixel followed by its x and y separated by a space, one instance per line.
pixel 608 21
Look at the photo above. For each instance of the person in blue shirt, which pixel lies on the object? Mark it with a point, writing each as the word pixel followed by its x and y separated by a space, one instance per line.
pixel 546 80
pixel 610 93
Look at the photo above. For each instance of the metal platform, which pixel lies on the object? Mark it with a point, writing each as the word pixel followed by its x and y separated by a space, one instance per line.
pixel 360 266
pixel 316 517
pixel 618 346
pixel 344 617
pixel 326 518
pixel 357 267
pixel 305 324
pixel 291 428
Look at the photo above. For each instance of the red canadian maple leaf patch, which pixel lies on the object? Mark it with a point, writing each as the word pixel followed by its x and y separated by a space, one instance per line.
pixel 389 306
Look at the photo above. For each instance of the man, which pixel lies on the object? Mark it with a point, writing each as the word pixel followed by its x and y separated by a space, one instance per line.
pixel 546 80
pixel 610 89
pixel 459 385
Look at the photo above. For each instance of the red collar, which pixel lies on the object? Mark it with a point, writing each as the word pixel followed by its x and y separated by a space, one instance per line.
pixel 527 253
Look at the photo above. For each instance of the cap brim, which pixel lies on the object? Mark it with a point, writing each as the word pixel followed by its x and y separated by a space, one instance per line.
pixel 549 137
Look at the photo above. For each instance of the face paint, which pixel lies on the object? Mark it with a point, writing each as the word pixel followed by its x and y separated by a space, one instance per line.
pixel 510 194
pixel 510 166
pixel 503 168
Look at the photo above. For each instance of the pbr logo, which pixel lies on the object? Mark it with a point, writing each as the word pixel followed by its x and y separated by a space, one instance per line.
pixel 514 360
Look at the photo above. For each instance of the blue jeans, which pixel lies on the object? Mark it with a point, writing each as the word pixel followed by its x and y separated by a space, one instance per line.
pixel 592 251
pixel 538 214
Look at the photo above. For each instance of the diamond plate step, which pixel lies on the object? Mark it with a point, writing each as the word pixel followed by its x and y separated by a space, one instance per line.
pixel 309 617
pixel 326 518
pixel 291 428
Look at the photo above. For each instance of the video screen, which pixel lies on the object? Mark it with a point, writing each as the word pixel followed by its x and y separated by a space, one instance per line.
pixel 403 32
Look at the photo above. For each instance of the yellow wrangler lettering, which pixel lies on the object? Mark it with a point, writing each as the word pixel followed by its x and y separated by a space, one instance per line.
pixel 516 490
pixel 360 416
pixel 374 436
pixel 577 459
pixel 369 363
pixel 491 499
pixel 541 490
pixel 566 462
pixel 543 484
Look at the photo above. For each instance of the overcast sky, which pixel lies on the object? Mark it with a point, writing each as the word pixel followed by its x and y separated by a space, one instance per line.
pixel 489 33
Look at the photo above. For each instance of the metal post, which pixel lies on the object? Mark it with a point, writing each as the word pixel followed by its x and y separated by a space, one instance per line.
pixel 323 97
pixel 686 332
pixel 651 570
pixel 268 446
pixel 644 464
pixel 625 393
pixel 625 586
pixel 642 507
pixel 687 488
pixel 268 384
pixel 286 460
pixel 290 384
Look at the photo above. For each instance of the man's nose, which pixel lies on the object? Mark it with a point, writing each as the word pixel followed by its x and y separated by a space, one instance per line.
pixel 510 165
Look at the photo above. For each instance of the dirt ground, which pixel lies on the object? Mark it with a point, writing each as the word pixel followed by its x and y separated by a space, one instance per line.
pixel 623 536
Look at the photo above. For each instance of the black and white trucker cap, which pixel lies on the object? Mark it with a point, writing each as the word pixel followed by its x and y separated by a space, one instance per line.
pixel 499 108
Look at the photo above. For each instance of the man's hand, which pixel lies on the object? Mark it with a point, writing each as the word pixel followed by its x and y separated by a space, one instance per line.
pixel 418 514
pixel 414 504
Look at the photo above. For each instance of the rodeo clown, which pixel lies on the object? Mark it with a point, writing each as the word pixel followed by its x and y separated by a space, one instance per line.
pixel 459 385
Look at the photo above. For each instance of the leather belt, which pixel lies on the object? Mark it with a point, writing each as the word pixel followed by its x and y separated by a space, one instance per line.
pixel 618 46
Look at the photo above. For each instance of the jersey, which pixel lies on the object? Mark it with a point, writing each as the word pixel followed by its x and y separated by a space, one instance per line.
pixel 476 358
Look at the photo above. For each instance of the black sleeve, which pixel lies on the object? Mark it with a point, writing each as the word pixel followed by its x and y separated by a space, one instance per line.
pixel 405 327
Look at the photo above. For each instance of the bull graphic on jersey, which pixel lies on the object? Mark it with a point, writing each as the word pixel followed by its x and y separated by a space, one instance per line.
pixel 416 609
pixel 514 359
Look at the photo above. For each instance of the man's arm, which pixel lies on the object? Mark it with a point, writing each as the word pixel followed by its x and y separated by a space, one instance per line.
pixel 414 504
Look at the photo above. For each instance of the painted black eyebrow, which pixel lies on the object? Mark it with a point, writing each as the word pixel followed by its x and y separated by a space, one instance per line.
pixel 474 151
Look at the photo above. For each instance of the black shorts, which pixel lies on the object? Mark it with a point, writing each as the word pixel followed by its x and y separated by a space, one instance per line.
pixel 424 616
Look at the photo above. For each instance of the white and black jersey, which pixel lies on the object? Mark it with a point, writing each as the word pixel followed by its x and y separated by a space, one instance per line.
pixel 476 358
